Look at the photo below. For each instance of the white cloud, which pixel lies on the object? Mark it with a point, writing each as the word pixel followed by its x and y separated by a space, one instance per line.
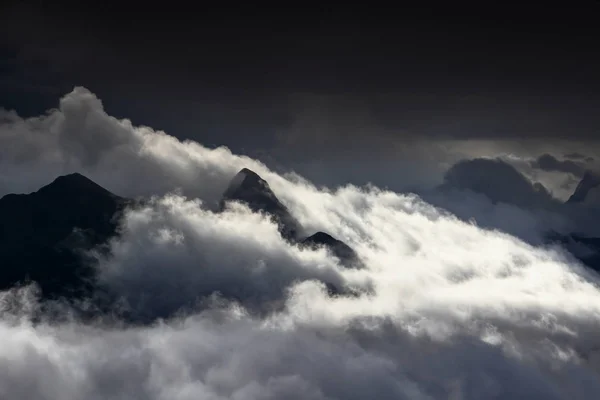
pixel 451 311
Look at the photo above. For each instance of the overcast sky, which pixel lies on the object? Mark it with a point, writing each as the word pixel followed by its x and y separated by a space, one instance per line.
pixel 301 85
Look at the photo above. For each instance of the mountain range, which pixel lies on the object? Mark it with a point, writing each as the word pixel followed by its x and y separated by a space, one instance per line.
pixel 45 235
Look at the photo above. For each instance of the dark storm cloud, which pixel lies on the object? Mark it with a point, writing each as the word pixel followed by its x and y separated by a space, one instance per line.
pixel 547 162
pixel 234 78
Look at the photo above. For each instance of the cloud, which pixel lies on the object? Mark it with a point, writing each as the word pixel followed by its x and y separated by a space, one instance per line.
pixel 172 253
pixel 548 162
pixel 499 181
pixel 456 312
pixel 531 225
pixel 443 309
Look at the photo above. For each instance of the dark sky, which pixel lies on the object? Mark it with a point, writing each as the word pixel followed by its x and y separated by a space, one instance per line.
pixel 240 76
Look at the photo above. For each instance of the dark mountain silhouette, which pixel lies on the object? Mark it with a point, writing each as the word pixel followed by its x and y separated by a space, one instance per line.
pixel 588 182
pixel 339 249
pixel 42 234
pixel 248 187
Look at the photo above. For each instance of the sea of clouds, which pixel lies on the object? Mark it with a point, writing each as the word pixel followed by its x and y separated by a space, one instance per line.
pixel 444 309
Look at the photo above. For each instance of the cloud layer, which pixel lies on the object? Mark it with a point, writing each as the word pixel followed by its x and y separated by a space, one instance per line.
pixel 444 308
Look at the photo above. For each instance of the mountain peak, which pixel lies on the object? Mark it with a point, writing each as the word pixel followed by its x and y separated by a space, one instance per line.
pixel 246 179
pixel 248 187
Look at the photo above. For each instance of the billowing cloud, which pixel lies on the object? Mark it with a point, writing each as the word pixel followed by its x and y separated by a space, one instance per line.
pixel 130 161
pixel 443 308
pixel 455 311
pixel 172 253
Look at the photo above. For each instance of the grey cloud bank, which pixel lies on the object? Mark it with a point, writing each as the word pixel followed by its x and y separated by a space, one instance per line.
pixel 547 162
pixel 446 309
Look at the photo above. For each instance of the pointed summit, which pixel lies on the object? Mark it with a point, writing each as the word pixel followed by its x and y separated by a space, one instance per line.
pixel 248 187
pixel 589 181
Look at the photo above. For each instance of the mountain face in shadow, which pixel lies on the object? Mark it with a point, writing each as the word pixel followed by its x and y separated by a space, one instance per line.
pixel 43 233
pixel 248 187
